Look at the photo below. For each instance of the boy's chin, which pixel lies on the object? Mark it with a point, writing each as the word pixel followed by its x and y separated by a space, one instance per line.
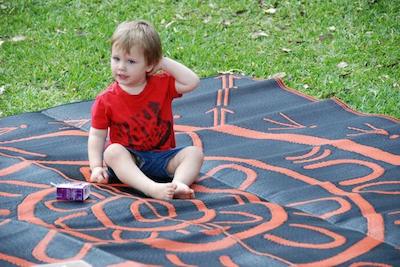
pixel 123 82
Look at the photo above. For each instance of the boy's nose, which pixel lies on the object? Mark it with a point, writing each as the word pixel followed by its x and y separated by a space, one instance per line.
pixel 121 65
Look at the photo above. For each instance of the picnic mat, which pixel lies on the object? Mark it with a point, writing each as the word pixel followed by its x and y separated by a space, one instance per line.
pixel 287 180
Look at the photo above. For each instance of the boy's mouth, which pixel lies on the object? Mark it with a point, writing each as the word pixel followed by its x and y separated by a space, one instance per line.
pixel 122 76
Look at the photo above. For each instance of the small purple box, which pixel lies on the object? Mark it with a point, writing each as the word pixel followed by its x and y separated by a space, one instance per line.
pixel 73 191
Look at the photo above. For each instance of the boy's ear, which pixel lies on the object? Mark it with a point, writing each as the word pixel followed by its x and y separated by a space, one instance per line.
pixel 153 69
pixel 150 68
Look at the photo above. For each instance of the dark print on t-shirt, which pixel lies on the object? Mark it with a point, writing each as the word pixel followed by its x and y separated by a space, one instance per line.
pixel 149 131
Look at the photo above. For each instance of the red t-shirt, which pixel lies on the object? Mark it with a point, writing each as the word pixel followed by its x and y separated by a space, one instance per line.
pixel 143 122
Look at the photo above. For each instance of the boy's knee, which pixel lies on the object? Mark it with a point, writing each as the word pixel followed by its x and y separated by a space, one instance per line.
pixel 112 152
pixel 196 152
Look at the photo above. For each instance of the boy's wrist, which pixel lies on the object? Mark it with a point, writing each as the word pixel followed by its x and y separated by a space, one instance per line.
pixel 166 62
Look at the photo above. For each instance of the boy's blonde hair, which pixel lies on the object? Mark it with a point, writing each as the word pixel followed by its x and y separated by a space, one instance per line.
pixel 139 34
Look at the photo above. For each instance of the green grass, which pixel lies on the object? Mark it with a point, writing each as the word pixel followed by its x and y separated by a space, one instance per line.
pixel 65 54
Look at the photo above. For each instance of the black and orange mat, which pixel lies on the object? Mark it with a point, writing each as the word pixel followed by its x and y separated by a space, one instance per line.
pixel 287 180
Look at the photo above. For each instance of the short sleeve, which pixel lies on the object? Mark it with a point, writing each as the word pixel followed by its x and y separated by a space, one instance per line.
pixel 99 114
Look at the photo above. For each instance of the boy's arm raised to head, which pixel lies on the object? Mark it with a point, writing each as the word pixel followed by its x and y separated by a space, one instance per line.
pixel 185 79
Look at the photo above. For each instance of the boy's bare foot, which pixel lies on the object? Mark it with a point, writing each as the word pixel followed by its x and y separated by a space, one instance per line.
pixel 164 191
pixel 183 191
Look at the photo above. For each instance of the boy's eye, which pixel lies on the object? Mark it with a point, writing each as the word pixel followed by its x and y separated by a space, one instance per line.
pixel 130 61
pixel 115 58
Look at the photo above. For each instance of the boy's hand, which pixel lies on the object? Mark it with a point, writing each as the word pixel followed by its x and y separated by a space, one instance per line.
pixel 99 175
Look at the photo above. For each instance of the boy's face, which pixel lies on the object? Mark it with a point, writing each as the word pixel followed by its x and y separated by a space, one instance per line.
pixel 129 70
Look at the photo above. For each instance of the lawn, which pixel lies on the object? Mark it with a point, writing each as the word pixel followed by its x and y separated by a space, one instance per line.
pixel 57 51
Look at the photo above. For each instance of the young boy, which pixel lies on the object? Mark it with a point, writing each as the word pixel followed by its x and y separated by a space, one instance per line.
pixel 135 111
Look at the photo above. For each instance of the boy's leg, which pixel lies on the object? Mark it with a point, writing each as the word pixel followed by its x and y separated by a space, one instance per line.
pixel 121 161
pixel 185 166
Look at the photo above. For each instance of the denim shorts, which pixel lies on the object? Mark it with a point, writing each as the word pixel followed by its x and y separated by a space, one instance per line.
pixel 152 163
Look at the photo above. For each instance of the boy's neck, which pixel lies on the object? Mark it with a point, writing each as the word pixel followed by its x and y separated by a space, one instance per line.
pixel 134 90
